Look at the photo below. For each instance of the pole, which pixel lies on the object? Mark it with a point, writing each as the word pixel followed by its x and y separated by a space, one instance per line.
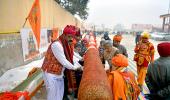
pixel 24 23
pixel 169 7
pixel 169 18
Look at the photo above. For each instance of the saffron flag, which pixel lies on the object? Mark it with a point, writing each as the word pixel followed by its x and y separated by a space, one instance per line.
pixel 34 18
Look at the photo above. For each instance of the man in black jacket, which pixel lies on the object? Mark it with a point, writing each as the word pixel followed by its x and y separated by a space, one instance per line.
pixel 158 75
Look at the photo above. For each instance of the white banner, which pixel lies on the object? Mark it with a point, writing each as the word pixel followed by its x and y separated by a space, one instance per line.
pixel 43 41
pixel 29 44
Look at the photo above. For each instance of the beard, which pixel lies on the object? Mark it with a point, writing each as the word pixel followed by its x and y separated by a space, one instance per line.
pixel 70 42
pixel 116 45
pixel 145 41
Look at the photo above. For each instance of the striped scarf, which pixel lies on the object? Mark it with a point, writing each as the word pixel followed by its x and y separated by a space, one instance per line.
pixel 68 51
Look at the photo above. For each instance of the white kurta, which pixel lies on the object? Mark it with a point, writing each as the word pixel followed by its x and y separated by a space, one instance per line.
pixel 55 83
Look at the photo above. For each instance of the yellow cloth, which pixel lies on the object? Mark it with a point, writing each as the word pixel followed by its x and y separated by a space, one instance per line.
pixel 141 74
pixel 145 35
pixel 144 53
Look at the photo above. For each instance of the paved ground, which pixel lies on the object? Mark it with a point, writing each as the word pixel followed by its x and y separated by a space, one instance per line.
pixel 129 42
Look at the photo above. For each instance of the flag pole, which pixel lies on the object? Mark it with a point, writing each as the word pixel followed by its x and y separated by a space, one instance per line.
pixel 24 23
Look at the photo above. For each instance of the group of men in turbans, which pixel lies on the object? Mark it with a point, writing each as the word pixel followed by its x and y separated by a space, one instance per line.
pixel 61 63
pixel 155 73
pixel 122 81
pixel 109 48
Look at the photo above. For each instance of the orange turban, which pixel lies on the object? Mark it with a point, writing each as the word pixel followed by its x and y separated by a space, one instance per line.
pixel 117 37
pixel 120 60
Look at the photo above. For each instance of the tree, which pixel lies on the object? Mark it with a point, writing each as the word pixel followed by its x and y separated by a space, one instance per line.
pixel 78 7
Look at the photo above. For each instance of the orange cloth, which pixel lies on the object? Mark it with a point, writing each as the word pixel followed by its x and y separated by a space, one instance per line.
pixel 120 88
pixel 14 95
pixel 8 96
pixel 120 60
pixel 34 18
pixel 141 74
pixel 117 37
pixel 117 85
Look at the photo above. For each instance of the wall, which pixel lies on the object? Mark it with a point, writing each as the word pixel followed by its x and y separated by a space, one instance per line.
pixel 10 51
pixel 14 12
pixel 12 17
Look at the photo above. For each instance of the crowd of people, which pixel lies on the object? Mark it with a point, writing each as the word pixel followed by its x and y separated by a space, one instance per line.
pixel 63 64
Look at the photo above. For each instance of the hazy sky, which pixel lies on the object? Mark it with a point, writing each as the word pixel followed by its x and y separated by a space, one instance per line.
pixel 127 12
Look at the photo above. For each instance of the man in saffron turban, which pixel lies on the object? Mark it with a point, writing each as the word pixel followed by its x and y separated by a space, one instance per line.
pixel 116 43
pixel 123 83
